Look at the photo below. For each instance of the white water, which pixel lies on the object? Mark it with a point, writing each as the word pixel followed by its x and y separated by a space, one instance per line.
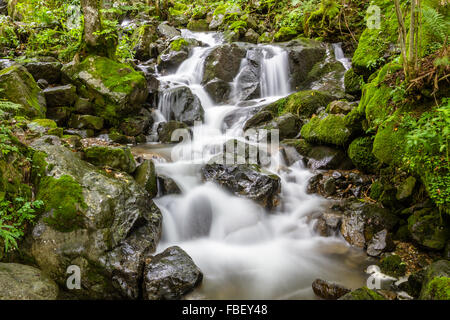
pixel 339 55
pixel 244 251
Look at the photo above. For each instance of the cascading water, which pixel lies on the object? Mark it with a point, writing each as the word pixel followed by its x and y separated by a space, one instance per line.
pixel 243 251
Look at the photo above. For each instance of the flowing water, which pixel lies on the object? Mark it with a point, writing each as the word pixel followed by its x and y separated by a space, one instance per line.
pixel 244 251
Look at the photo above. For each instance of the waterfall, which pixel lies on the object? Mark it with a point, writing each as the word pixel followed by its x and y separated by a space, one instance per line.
pixel 244 251
pixel 339 55
pixel 274 72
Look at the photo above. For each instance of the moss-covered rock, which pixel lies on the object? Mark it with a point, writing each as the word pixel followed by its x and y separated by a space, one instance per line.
pixel 363 293
pixel 393 265
pixel 353 83
pixel 389 143
pixel 198 25
pixel 360 152
pixel 374 44
pixel 327 129
pixel 18 86
pixel 405 189
pixel 64 202
pixel 436 284
pixel 303 103
pixel 86 122
pixel 145 176
pixel 115 89
pixel 120 224
pixel 285 34
pixel 428 229
pixel 119 158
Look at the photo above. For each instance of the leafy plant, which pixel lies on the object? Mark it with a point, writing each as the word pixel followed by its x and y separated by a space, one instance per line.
pixel 427 151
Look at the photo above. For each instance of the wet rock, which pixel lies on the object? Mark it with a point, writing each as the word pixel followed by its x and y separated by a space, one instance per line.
pixel 184 106
pixel 251 36
pixel 136 126
pixel 61 96
pixel 18 86
pixel 167 31
pixel 328 129
pixel 144 38
pixel 327 290
pixel 325 158
pixel 167 129
pixel 362 221
pixel 85 122
pixel 170 275
pixel 303 55
pixel 427 229
pixel 21 282
pixel 241 152
pixel 171 60
pixel 258 119
pixel 145 176
pixel 167 186
pixel 381 242
pixel 223 63
pixel 218 90
pixel 105 224
pixel 288 126
pixel 119 158
pixel 328 224
pixel 248 181
pixel 88 133
pixel 49 71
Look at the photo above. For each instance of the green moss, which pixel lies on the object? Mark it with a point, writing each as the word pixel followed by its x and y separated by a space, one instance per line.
pixel 198 25
pixel 360 152
pixel 303 103
pixel 427 228
pixel 363 293
pixel 376 190
pixel 64 202
pixel 353 83
pixel 179 44
pixel 438 289
pixel 285 34
pixel 389 143
pixel 117 158
pixel 375 43
pixel 327 129
pixel 393 266
pixel 56 132
pixel 47 123
pixel 300 145
pixel 265 38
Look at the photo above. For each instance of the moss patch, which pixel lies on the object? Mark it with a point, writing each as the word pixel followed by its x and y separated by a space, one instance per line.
pixel 327 129
pixel 63 199
pixel 360 152
pixel 393 266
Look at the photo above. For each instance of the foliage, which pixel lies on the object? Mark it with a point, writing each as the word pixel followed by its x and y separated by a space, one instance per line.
pixel 427 151
pixel 14 216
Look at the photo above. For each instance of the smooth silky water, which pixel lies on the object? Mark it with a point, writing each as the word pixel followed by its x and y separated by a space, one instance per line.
pixel 244 251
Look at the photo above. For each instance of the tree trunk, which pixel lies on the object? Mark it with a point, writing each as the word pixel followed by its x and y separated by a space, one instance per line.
pixel 402 35
pixel 412 33
pixel 93 42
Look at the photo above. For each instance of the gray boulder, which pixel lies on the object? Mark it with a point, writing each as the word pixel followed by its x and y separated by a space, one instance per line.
pixel 61 96
pixel 223 63
pixel 21 282
pixel 327 290
pixel 170 275
pixel 47 70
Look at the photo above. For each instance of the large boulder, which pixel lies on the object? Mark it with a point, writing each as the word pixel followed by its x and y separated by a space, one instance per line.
pixel 167 31
pixel 362 221
pixel 327 129
pixel 427 229
pixel 47 70
pixel 303 55
pixel 115 89
pixel 182 105
pixel 167 129
pixel 144 36
pixel 60 96
pixel 218 90
pixel 145 176
pixel 248 181
pixel 104 224
pixel 17 85
pixel 21 282
pixel 170 274
pixel 223 62
pixel 119 158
